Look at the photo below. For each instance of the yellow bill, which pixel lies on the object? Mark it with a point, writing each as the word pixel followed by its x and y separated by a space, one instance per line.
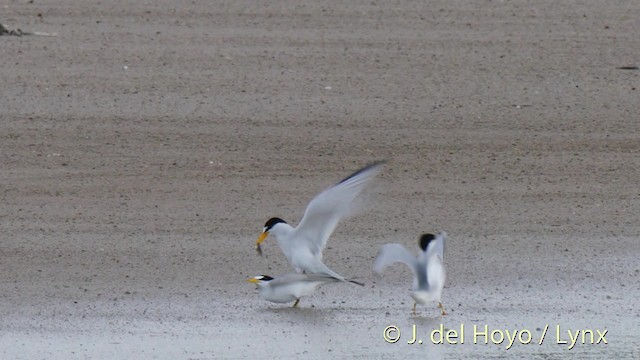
pixel 260 240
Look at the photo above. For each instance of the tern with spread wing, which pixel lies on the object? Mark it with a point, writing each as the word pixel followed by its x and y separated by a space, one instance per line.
pixel 428 267
pixel 303 245
pixel 289 287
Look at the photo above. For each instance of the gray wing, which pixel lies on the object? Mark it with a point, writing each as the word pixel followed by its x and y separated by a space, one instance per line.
pixel 393 253
pixel 325 211
pixel 435 273
pixel 432 263
pixel 438 247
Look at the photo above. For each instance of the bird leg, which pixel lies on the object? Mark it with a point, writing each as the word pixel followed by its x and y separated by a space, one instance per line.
pixel 442 309
pixel 295 304
pixel 414 308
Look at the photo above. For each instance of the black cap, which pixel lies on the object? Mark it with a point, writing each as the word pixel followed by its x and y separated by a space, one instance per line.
pixel 425 239
pixel 271 222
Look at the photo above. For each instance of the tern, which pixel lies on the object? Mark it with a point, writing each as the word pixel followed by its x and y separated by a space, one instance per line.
pixel 303 245
pixel 428 269
pixel 289 287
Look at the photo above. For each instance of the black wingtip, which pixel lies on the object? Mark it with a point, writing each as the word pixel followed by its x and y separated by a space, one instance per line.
pixel 358 172
pixel 356 282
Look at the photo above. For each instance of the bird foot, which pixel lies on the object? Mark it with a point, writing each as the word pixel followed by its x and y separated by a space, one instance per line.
pixel 442 309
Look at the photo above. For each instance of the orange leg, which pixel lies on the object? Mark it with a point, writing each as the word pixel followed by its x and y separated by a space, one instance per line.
pixel 442 309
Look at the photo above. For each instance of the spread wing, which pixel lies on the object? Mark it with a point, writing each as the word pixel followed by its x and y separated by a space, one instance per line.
pixel 433 260
pixel 325 210
pixel 440 240
pixel 438 246
pixel 435 272
pixel 393 253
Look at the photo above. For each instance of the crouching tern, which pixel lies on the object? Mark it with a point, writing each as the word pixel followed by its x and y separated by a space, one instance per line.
pixel 303 245
pixel 428 268
pixel 289 287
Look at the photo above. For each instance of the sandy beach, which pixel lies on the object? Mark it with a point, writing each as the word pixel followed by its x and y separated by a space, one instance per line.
pixel 143 147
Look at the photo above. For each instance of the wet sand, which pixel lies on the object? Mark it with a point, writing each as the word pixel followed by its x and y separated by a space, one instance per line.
pixel 144 147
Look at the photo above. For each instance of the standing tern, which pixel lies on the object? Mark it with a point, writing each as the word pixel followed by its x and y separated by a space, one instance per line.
pixel 303 245
pixel 289 287
pixel 428 268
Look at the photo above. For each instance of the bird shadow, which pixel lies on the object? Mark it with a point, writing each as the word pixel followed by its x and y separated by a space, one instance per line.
pixel 309 315
pixel 425 320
